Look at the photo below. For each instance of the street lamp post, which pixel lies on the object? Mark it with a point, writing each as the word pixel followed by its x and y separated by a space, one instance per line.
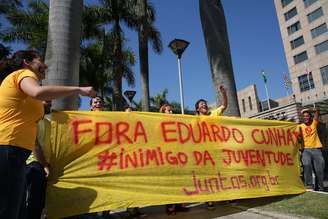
pixel 178 46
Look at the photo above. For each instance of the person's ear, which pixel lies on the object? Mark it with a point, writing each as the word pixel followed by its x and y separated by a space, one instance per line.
pixel 26 63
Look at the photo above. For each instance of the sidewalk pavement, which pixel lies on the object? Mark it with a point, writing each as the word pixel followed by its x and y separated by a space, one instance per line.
pixel 199 211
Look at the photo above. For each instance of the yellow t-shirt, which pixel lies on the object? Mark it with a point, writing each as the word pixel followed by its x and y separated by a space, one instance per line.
pixel 19 113
pixel 218 111
pixel 310 135
pixel 40 137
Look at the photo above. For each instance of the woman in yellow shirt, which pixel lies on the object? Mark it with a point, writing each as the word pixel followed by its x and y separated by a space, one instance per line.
pixel 202 109
pixel 20 110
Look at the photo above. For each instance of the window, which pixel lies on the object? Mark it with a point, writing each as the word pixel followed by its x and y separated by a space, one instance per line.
pixel 244 107
pixel 315 15
pixel 294 27
pixel 284 3
pixel 304 82
pixel 250 103
pixel 300 57
pixel 321 47
pixel 307 3
pixel 291 13
pixel 297 42
pixel 319 30
pixel 324 74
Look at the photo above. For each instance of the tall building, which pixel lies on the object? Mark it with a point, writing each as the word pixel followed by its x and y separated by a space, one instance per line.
pixel 304 31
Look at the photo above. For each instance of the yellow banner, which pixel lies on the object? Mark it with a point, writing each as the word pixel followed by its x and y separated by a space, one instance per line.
pixel 109 160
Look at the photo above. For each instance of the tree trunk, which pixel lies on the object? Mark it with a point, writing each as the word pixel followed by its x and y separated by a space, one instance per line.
pixel 118 68
pixel 63 48
pixel 218 51
pixel 117 104
pixel 143 57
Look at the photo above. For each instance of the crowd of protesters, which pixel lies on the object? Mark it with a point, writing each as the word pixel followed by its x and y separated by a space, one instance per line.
pixel 23 106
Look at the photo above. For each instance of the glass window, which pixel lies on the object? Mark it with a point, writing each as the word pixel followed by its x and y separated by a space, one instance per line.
pixel 319 30
pixel 304 82
pixel 291 13
pixel 244 107
pixel 294 27
pixel 315 15
pixel 324 74
pixel 300 57
pixel 297 42
pixel 307 3
pixel 321 47
pixel 250 103
pixel 285 2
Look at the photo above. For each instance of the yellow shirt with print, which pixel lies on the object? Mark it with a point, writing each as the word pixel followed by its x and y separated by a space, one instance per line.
pixel 310 135
pixel 218 111
pixel 19 113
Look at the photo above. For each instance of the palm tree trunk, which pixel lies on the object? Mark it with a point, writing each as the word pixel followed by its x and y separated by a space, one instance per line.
pixel 218 51
pixel 117 94
pixel 63 48
pixel 143 57
pixel 118 68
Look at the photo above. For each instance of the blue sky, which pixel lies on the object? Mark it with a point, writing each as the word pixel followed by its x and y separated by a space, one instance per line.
pixel 255 43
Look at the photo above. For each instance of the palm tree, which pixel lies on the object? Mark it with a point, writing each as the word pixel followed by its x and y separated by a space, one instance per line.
pixel 218 51
pixel 63 47
pixel 159 99
pixel 6 5
pixel 114 13
pixel 146 32
pixel 28 25
pixel 96 66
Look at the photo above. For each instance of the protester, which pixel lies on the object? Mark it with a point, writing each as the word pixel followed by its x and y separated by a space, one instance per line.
pixel 20 110
pixel 203 110
pixel 166 108
pixel 172 209
pixel 97 103
pixel 37 172
pixel 312 149
pixel 128 109
pixel 133 212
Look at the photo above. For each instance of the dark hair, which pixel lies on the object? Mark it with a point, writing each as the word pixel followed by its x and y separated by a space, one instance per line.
pixel 128 107
pixel 162 109
pixel 16 62
pixel 102 100
pixel 196 104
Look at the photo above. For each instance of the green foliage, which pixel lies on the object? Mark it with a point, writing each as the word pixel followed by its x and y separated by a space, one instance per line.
pixel 96 66
pixel 147 23
pixel 28 25
pixel 159 99
pixel 114 13
pixel 6 5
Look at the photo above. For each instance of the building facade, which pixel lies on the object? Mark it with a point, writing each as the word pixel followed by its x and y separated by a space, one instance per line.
pixel 284 108
pixel 304 30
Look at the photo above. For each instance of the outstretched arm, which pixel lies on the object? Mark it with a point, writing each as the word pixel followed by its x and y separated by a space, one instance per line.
pixel 30 87
pixel 316 113
pixel 223 92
